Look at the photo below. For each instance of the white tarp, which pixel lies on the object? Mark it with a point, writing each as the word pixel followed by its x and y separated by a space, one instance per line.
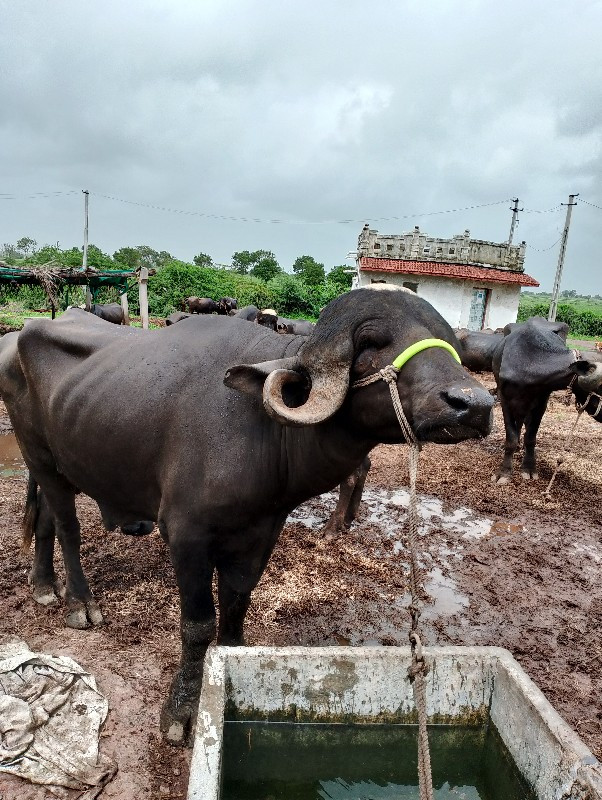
pixel 50 718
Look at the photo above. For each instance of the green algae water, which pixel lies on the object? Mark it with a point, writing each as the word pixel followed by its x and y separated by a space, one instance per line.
pixel 287 761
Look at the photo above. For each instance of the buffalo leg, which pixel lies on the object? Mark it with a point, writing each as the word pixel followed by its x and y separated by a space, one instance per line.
pixel 233 607
pixel 356 496
pixel 194 573
pixel 528 468
pixel 350 496
pixel 45 585
pixel 239 574
pixel 82 609
pixel 513 424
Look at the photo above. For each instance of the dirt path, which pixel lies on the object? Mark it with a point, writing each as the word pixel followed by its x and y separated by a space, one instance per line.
pixel 503 566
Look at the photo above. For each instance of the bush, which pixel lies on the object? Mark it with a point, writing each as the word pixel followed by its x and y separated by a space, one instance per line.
pixel 581 322
pixel 178 280
pixel 291 295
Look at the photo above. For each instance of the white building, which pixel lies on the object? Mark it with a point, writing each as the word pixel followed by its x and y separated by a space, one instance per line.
pixel 472 283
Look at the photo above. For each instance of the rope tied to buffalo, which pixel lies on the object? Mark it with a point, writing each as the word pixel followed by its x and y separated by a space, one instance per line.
pixel 581 407
pixel 418 669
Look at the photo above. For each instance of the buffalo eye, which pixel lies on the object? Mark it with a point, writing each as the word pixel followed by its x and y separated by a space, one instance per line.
pixel 367 354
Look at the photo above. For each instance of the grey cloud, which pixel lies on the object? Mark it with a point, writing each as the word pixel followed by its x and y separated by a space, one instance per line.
pixel 309 111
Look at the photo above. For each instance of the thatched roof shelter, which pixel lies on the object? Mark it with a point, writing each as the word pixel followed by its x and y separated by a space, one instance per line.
pixel 53 277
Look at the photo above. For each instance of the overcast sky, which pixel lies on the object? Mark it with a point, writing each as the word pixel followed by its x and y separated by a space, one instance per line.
pixel 304 112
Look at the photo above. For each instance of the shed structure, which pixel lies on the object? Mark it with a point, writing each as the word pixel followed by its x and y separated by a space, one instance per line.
pixel 472 283
pixel 53 278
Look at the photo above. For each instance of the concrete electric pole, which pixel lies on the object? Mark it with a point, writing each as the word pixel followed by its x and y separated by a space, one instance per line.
pixel 557 279
pixel 85 256
pixel 515 209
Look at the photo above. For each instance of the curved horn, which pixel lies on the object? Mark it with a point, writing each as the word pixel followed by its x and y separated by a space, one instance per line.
pixel 592 380
pixel 325 358
pixel 328 390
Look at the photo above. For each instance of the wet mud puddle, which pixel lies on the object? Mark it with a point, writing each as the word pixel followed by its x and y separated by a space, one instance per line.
pixel 364 762
pixel 385 512
pixel 11 460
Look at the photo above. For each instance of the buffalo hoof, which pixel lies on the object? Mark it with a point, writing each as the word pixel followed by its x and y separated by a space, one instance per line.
pixel 77 619
pixel 45 595
pixel 331 532
pixel 526 475
pixel 81 616
pixel 177 727
pixel 501 480
pixel 48 593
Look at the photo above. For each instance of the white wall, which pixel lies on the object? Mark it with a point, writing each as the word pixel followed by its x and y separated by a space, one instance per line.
pixel 452 297
pixel 502 307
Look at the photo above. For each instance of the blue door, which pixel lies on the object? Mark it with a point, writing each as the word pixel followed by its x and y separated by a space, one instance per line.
pixel 478 304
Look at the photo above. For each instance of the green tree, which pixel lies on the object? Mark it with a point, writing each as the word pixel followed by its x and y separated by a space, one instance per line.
pixel 242 261
pixel 266 267
pixel 96 258
pixel 203 260
pixel 45 254
pixel 128 257
pixel 259 263
pixel 27 245
pixel 341 276
pixel 153 259
pixel 9 251
pixel 310 270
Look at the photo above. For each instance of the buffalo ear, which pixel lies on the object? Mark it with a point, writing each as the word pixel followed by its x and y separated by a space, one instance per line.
pixel 249 378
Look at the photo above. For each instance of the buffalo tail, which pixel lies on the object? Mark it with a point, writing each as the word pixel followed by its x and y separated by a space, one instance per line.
pixel 30 517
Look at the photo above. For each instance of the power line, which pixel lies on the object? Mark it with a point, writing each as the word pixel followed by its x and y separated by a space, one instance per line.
pixel 545 249
pixel 295 222
pixel 542 211
pixel 593 205
pixel 34 195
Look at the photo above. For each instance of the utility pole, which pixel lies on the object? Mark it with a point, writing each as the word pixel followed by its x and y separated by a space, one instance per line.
pixel 86 194
pixel 85 256
pixel 515 209
pixel 565 236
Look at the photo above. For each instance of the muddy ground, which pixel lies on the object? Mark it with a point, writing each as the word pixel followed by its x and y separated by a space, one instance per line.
pixel 503 566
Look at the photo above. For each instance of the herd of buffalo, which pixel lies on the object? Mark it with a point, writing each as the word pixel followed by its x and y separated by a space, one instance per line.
pixel 140 421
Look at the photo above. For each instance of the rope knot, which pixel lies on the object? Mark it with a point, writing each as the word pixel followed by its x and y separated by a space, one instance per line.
pixel 416 646
pixel 389 374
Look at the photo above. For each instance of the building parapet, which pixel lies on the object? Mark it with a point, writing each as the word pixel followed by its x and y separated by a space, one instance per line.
pixel 460 249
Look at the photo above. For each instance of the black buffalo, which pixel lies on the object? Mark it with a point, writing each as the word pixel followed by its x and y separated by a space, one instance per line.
pixel 477 348
pixel 226 305
pixel 531 362
pixel 270 319
pixel 298 327
pixel 139 421
pixel 200 305
pixel 248 313
pixel 177 316
pixel 110 312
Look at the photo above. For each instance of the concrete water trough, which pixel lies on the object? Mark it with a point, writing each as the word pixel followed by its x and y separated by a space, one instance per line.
pixel 467 687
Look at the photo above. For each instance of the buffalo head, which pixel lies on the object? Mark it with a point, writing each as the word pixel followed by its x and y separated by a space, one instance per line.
pixel 358 334
pixel 268 318
pixel 589 374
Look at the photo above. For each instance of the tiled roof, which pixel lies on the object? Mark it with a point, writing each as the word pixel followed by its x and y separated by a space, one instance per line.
pixel 446 270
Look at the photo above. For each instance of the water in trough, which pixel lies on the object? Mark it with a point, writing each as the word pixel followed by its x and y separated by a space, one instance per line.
pixel 364 762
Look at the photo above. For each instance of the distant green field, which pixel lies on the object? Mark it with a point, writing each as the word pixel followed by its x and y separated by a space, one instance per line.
pixel 16 319
pixel 583 315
